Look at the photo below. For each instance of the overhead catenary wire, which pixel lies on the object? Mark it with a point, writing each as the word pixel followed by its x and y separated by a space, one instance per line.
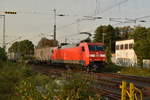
pixel 114 6
pixel 102 11
pixel 105 10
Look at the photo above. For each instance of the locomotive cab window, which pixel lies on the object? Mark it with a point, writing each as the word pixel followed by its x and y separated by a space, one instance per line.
pixel 59 47
pixel 96 48
pixel 83 49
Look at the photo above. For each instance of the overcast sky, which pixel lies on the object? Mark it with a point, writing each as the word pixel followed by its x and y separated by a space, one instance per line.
pixel 36 16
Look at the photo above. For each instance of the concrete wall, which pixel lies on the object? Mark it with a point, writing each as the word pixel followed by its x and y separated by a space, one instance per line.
pixel 43 54
pixel 146 63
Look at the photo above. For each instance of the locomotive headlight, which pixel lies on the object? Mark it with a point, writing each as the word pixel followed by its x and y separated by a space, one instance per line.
pixel 92 55
pixel 102 55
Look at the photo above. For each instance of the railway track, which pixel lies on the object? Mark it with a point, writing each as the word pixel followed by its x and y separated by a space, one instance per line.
pixel 106 84
pixel 113 81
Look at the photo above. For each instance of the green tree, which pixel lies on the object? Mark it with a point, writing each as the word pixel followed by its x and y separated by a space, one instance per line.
pixel 142 44
pixel 107 35
pixel 24 48
pixel 148 35
pixel 3 56
pixel 140 33
pixel 124 32
pixel 14 47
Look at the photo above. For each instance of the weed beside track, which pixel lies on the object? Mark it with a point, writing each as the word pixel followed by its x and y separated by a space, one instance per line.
pixel 105 84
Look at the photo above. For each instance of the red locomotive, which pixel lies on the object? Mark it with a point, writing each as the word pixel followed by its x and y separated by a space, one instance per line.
pixel 85 54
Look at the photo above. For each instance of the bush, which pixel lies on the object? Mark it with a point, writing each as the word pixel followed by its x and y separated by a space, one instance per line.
pixel 10 75
pixel 41 87
pixel 19 82
pixel 76 87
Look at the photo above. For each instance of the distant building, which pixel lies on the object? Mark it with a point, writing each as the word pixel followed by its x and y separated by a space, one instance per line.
pixel 125 54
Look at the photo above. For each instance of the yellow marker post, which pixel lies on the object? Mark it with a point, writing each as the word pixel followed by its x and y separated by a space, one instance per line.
pixel 141 95
pixel 132 91
pixel 123 92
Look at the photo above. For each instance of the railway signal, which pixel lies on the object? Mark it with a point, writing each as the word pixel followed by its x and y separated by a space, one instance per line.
pixel 6 12
pixel 10 12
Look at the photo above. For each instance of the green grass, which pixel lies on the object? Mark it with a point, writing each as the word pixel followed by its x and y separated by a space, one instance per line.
pixel 112 68
pixel 135 71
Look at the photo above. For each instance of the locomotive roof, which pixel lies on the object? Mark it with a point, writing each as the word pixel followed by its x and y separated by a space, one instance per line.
pixel 75 45
pixel 69 46
pixel 96 43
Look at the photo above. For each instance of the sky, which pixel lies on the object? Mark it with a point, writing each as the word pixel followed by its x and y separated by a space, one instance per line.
pixel 35 18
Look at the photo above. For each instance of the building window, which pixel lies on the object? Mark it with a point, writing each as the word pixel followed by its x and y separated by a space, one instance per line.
pixel 121 47
pixel 130 46
pixel 117 47
pixel 126 46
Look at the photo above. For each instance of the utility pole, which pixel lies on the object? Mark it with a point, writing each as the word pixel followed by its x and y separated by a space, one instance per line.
pixel 4 26
pixel 4 46
pixel 55 24
pixel 103 38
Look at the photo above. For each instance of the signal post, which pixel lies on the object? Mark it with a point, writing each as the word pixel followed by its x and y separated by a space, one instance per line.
pixel 4 25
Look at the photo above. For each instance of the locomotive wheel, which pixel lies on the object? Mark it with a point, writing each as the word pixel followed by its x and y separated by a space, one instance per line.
pixel 92 67
pixel 88 69
pixel 95 67
pixel 68 67
pixel 73 67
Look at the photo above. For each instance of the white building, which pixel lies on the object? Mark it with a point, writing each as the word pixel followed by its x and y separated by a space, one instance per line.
pixel 125 54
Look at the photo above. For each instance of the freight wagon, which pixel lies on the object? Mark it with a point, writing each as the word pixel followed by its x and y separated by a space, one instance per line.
pixel 84 54
pixel 43 55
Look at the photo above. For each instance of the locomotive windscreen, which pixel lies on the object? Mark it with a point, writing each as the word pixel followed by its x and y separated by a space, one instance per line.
pixel 96 48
